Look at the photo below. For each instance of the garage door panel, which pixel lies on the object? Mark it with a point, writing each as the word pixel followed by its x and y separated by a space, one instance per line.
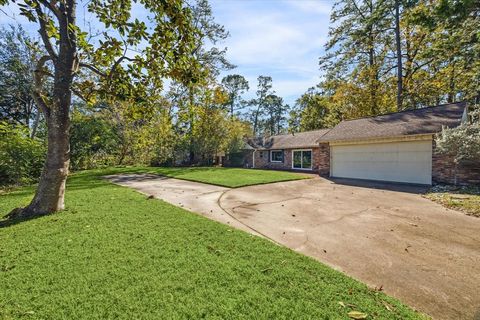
pixel 409 162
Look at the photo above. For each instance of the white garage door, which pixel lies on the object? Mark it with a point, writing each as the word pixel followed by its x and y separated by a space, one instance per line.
pixel 409 162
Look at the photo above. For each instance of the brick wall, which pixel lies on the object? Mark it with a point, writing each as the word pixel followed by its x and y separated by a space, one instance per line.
pixel 443 170
pixel 262 160
pixel 320 160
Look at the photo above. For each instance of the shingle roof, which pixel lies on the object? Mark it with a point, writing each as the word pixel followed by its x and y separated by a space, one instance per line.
pixel 288 141
pixel 419 121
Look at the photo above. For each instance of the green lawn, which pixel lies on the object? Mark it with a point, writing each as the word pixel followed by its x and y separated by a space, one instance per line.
pixel 466 199
pixel 225 177
pixel 114 254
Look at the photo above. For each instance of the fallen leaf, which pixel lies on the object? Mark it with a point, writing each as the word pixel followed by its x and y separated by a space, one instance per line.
pixel 342 304
pixel 357 315
pixel 387 306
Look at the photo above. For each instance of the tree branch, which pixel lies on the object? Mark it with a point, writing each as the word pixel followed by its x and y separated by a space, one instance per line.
pixel 92 68
pixel 52 7
pixel 79 94
pixel 115 65
pixel 43 32
pixel 37 87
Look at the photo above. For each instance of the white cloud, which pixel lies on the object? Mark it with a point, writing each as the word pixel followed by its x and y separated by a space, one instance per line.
pixel 312 6
pixel 282 38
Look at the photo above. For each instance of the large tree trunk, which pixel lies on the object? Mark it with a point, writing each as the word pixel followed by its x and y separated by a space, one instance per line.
pixel 51 188
pixel 50 193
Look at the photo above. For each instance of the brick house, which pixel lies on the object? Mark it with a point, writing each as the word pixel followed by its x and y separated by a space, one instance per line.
pixel 396 147
pixel 300 151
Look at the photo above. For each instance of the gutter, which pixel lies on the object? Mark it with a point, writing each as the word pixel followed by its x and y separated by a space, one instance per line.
pixel 382 139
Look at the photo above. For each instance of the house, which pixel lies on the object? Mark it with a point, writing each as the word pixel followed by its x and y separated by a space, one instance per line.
pixel 298 151
pixel 395 147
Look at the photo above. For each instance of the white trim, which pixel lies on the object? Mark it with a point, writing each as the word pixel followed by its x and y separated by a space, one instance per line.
pixel 311 160
pixel 414 137
pixel 276 150
pixel 253 160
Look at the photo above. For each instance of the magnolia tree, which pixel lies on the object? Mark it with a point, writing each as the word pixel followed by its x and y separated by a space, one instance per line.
pixel 122 61
pixel 462 142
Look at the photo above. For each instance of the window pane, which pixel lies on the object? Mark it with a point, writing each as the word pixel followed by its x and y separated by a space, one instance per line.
pixel 297 159
pixel 277 156
pixel 307 160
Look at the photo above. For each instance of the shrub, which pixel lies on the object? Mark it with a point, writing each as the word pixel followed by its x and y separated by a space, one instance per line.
pixel 462 142
pixel 21 158
pixel 93 142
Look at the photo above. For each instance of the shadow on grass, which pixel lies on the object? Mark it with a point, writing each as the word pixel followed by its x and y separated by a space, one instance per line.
pixel 8 222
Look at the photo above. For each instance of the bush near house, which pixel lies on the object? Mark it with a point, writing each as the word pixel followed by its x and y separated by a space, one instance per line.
pixel 462 143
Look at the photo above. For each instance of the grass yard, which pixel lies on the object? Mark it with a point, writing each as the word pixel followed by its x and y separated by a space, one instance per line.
pixel 225 177
pixel 466 199
pixel 113 254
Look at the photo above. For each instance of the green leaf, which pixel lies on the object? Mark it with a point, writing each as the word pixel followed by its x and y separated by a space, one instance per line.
pixel 357 315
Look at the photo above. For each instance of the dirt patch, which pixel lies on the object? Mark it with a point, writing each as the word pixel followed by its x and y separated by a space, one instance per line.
pixel 465 199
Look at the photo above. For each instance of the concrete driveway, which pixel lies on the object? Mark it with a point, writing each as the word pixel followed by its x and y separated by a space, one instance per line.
pixel 388 237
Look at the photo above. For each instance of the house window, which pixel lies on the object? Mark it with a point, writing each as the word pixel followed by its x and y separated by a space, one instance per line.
pixel 276 156
pixel 302 159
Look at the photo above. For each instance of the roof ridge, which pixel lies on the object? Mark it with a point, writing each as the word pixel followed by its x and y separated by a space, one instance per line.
pixel 407 110
pixel 294 133
pixel 288 133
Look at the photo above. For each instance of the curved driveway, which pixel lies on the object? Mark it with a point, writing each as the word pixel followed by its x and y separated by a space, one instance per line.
pixel 388 237
pixel 410 247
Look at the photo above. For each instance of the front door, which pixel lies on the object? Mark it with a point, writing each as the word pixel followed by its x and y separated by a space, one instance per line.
pixel 302 159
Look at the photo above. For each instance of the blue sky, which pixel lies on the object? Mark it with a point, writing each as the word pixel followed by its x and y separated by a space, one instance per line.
pixel 278 38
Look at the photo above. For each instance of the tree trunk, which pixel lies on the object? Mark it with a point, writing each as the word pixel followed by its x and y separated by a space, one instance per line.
pixel 451 84
pixel 50 193
pixel 51 188
pixel 33 131
pixel 399 57
pixel 373 82
pixel 255 121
